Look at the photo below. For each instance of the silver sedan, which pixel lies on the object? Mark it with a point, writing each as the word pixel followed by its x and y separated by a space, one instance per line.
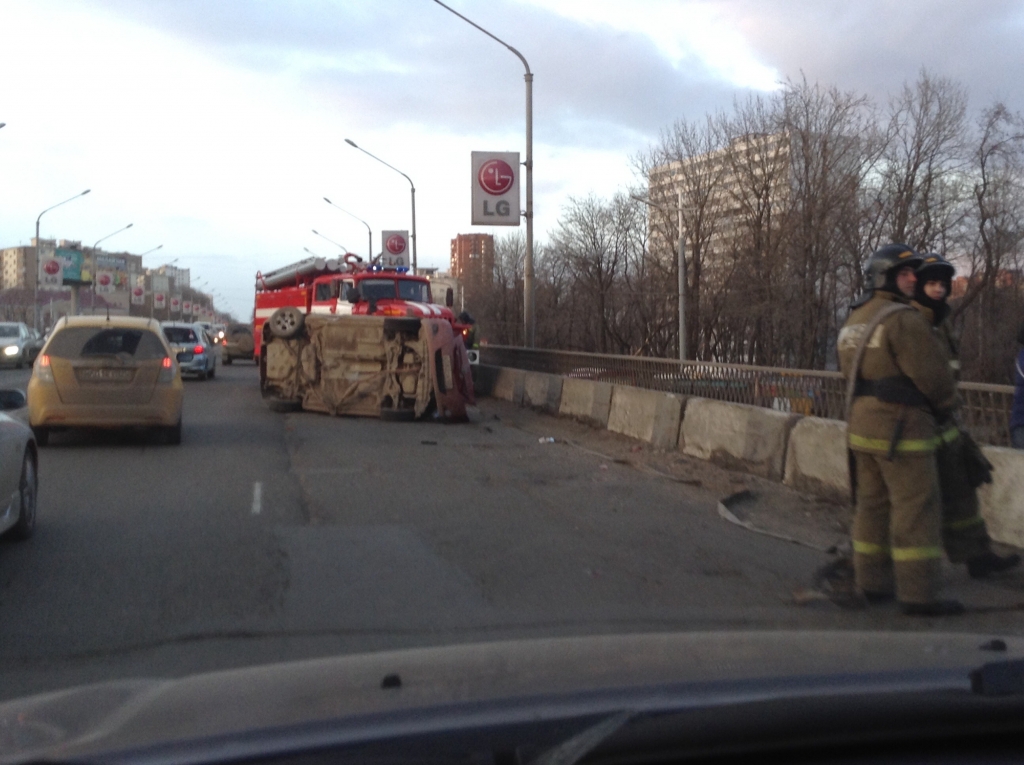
pixel 18 468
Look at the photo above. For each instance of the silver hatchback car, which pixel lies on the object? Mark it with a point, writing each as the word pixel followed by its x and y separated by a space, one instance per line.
pixel 195 350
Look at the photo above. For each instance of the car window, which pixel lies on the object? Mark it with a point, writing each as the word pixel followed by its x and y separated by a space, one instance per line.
pixel 8 330
pixel 410 290
pixel 377 289
pixel 180 335
pixel 85 342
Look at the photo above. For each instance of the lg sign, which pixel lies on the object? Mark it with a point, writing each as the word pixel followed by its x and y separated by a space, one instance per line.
pixel 495 188
pixel 52 267
pixel 396 244
pixel 496 177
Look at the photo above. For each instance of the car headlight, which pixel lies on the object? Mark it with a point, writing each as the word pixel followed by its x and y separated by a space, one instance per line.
pixel 12 350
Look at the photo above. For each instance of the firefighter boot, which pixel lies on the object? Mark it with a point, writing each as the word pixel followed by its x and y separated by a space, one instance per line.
pixel 988 563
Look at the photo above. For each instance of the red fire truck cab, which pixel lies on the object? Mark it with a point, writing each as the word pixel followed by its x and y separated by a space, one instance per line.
pixel 348 287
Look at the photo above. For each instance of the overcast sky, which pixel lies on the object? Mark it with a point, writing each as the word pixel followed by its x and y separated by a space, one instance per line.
pixel 216 127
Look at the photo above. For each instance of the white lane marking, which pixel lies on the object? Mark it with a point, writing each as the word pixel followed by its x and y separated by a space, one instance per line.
pixel 257 497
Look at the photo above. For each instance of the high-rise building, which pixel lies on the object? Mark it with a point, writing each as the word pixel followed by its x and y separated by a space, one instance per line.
pixel 472 259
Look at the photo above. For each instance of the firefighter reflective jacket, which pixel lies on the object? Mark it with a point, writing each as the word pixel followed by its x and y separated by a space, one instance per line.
pixel 904 382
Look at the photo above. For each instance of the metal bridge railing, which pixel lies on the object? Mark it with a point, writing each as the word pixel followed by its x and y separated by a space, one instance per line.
pixel 986 410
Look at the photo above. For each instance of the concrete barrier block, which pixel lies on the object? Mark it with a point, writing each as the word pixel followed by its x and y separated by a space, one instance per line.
pixel 1002 501
pixel 816 460
pixel 648 415
pixel 542 391
pixel 586 400
pixel 508 385
pixel 737 436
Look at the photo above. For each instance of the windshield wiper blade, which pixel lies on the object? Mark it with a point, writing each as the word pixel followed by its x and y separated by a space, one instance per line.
pixel 574 749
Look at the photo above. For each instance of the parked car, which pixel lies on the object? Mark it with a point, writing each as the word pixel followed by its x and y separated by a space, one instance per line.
pixel 112 372
pixel 192 346
pixel 19 344
pixel 18 463
pixel 238 343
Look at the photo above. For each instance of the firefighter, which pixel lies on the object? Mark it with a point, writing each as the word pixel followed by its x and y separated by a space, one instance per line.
pixel 964 534
pixel 899 379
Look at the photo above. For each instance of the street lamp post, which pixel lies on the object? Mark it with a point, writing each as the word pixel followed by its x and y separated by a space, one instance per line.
pixel 412 190
pixel 35 281
pixel 529 314
pixel 74 290
pixel 682 267
pixel 342 247
pixel 369 231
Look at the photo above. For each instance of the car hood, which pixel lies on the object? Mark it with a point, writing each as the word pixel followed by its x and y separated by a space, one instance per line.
pixel 529 678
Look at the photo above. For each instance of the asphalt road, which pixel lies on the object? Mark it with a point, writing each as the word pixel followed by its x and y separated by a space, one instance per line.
pixel 268 537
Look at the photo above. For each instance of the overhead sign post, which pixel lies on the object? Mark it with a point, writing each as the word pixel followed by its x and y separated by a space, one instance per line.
pixel 495 188
pixel 395 252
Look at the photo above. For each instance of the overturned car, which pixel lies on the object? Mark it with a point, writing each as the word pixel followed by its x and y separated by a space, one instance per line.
pixel 372 366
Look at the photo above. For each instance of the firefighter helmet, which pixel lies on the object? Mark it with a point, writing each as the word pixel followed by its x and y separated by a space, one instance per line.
pixel 880 272
pixel 936 268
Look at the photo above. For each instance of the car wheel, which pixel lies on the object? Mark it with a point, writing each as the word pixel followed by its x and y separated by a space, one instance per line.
pixel 213 372
pixel 28 490
pixel 283 405
pixel 227 361
pixel 173 434
pixel 286 322
pixel 42 436
pixel 201 375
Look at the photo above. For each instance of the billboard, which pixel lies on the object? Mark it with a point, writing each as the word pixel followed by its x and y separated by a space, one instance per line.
pixel 394 251
pixel 138 295
pixel 159 299
pixel 71 260
pixel 495 188
pixel 104 282
pixel 51 271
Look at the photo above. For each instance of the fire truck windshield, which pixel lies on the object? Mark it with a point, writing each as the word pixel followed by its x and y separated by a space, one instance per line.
pixel 410 290
pixel 377 289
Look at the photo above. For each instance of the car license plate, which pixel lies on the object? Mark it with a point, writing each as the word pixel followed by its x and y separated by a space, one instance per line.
pixel 104 375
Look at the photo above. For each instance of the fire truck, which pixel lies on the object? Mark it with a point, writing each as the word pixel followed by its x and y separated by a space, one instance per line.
pixel 347 339
pixel 347 287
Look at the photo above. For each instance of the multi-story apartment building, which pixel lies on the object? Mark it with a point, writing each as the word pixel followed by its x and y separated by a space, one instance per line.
pixel 724 183
pixel 472 260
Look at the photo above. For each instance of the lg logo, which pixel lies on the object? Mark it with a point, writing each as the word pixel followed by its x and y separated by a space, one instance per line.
pixel 496 177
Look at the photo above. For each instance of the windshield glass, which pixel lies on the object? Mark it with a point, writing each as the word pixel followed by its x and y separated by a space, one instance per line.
pixel 654 412
pixel 180 335
pixel 377 289
pixel 85 342
pixel 410 290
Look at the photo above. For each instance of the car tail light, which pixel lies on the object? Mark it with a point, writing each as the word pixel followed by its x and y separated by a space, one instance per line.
pixel 198 350
pixel 43 371
pixel 166 370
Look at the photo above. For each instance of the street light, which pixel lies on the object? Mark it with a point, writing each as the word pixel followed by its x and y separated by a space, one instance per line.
pixel 104 238
pixel 35 292
pixel 412 190
pixel 342 247
pixel 529 317
pixel 369 254
pixel 682 266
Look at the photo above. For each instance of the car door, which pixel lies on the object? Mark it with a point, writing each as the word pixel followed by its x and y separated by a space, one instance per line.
pixel 12 440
